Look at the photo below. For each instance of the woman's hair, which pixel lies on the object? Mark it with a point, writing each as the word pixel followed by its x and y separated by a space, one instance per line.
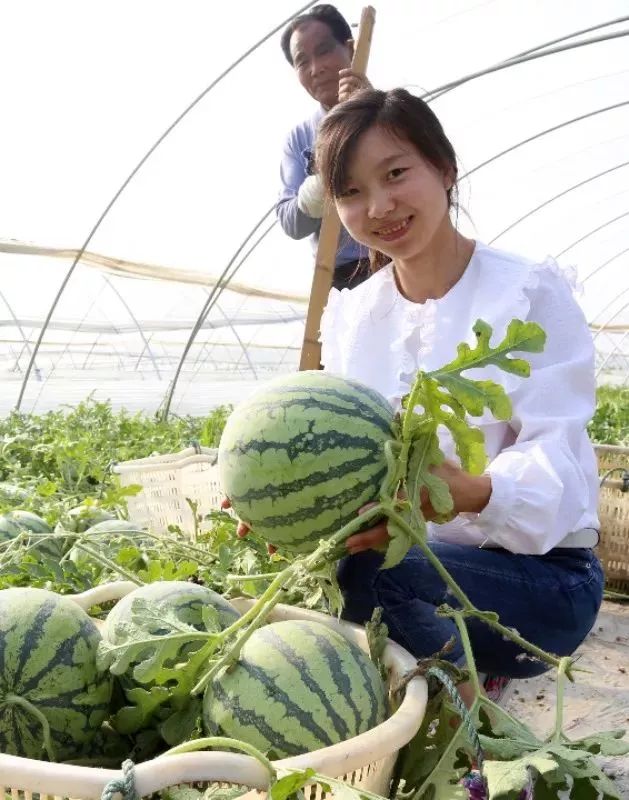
pixel 397 112
pixel 325 13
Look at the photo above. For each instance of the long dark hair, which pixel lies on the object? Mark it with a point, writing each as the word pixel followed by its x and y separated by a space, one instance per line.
pixel 396 111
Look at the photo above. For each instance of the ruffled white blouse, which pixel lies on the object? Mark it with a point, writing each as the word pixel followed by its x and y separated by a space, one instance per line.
pixel 542 464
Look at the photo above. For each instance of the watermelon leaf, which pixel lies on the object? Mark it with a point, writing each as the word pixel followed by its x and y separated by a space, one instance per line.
pixel 288 785
pixel 377 637
pixel 398 546
pixel 130 719
pixel 183 723
pixel 526 337
pixel 151 654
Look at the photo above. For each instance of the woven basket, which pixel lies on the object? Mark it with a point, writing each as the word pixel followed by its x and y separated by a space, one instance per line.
pixel 613 510
pixel 365 761
pixel 168 482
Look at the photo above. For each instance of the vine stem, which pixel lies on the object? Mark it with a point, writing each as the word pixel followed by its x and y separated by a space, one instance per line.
pixel 223 741
pixel 16 700
pixel 255 576
pixel 467 607
pixel 106 562
pixel 469 655
pixel 564 665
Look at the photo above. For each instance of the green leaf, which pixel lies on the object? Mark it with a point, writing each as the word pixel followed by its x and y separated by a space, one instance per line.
pixel 469 443
pixel 377 638
pixel 398 546
pixel 434 762
pixel 291 783
pixel 153 641
pixel 183 723
pixel 607 743
pixel 131 719
pixel 507 779
pixel 476 395
pixel 424 454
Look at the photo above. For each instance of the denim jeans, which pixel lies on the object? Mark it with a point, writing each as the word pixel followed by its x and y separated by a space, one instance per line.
pixel 551 600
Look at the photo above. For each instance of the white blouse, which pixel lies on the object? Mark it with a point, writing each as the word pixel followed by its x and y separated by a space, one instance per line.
pixel 542 465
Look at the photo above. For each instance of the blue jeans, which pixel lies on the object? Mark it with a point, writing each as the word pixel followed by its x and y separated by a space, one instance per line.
pixel 551 600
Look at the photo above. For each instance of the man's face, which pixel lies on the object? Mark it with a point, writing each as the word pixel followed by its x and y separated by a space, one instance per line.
pixel 317 58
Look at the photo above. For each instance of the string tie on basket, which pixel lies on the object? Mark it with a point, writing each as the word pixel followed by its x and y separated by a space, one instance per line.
pixel 124 786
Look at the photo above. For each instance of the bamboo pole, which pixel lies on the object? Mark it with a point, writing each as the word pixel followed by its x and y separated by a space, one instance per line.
pixel 331 226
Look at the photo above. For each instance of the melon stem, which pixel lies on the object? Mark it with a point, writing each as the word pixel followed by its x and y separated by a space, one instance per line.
pixel 16 700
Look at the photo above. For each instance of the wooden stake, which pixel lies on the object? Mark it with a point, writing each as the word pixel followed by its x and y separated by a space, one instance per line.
pixel 331 226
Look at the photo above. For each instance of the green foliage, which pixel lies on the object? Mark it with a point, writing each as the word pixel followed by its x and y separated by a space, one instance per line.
pixel 610 424
pixel 63 457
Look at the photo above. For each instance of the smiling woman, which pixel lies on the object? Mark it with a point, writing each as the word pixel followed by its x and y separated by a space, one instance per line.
pixel 522 533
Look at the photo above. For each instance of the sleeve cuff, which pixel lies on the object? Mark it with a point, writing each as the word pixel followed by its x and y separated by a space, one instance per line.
pixel 493 518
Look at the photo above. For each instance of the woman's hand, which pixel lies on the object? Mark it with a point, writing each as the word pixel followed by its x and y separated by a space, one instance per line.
pixel 243 528
pixel 470 493
pixel 351 82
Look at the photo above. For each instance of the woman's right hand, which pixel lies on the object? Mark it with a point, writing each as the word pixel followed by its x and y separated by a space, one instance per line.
pixel 243 528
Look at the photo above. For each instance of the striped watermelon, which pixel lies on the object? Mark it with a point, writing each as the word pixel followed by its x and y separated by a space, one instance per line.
pixel 300 457
pixel 48 651
pixel 297 686
pixel 15 522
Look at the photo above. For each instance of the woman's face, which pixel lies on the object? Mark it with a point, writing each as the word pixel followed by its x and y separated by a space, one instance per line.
pixel 395 200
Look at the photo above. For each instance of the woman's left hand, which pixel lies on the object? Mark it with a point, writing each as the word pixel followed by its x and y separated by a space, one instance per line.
pixel 351 82
pixel 470 493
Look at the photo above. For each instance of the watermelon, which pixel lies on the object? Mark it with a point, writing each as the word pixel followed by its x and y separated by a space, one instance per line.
pixel 114 526
pixel 186 600
pixel 14 522
pixel 48 649
pixel 26 520
pixel 10 493
pixel 297 686
pixel 301 456
pixel 80 518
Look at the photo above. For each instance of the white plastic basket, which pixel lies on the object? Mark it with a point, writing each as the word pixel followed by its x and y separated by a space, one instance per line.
pixel 167 482
pixel 365 761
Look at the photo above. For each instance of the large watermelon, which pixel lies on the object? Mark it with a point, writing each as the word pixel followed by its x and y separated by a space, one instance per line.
pixel 300 457
pixel 297 686
pixel 48 649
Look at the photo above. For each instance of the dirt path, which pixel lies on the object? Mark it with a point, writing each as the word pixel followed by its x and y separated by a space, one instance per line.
pixel 598 701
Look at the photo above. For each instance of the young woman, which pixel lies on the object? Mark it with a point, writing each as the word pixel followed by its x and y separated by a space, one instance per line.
pixel 521 542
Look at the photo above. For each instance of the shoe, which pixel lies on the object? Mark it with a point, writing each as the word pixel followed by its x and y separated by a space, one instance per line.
pixel 495 687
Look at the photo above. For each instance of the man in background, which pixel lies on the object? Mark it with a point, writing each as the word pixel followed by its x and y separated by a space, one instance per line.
pixel 318 45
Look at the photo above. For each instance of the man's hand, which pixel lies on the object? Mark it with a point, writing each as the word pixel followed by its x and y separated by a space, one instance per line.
pixel 243 528
pixel 311 197
pixel 351 82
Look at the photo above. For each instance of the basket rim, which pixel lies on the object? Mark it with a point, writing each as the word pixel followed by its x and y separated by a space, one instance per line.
pixel 189 455
pixel 374 745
